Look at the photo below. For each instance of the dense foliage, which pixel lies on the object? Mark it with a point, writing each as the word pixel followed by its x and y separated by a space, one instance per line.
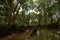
pixel 28 13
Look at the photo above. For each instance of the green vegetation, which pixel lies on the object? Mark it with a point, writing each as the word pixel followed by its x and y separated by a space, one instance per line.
pixel 20 15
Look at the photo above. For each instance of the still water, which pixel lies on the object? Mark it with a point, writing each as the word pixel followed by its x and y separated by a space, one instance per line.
pixel 46 34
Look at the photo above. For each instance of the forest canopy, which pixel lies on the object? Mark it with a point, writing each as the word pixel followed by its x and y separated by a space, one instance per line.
pixel 29 12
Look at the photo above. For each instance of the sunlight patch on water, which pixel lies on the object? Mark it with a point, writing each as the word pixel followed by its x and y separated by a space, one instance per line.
pixel 56 35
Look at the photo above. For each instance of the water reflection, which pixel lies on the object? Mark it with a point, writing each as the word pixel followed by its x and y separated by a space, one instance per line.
pixel 46 34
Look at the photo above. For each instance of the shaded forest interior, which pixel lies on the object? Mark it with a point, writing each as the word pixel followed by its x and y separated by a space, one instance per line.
pixel 19 16
pixel 8 30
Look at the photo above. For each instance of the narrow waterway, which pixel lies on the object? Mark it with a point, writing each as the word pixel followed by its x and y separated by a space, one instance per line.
pixel 46 34
pixel 40 34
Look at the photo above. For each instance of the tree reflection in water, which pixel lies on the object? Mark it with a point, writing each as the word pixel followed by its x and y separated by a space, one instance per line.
pixel 45 34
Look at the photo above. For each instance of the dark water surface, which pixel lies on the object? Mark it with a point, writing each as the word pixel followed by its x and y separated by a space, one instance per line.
pixel 47 34
pixel 41 34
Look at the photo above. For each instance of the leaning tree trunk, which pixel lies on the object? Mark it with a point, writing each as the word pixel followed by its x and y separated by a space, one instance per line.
pixel 9 17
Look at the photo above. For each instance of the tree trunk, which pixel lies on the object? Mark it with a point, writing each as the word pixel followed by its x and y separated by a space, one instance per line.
pixel 10 18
